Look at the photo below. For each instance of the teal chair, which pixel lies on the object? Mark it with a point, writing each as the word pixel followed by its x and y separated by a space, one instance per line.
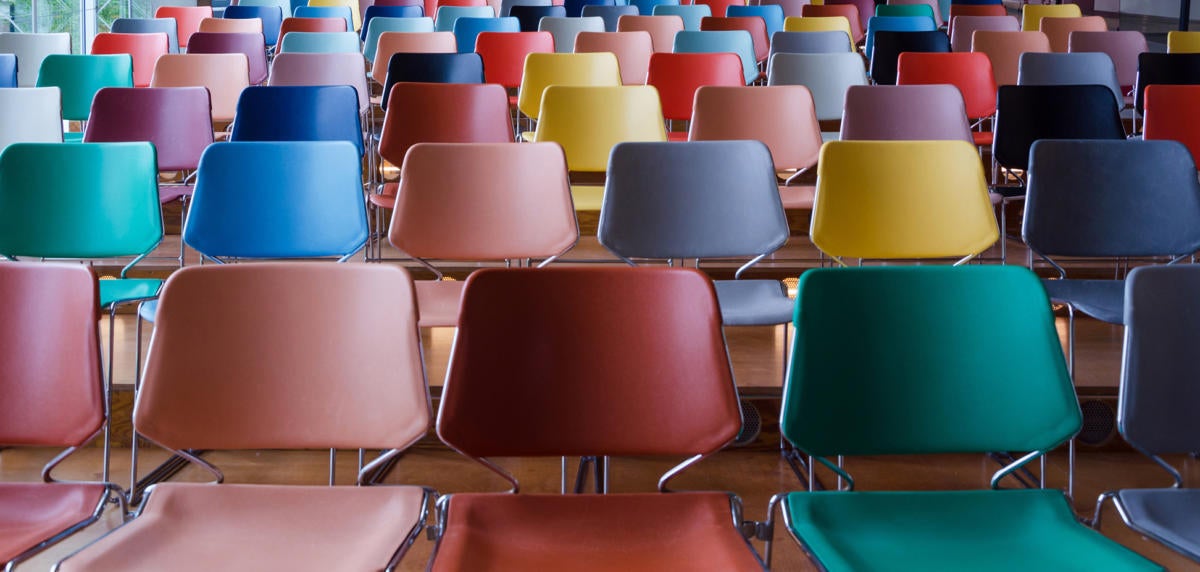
pixel 319 43
pixel 904 361
pixel 734 41
pixel 79 77
pixel 379 24
pixel 443 20
pixel 692 14
pixel 467 29
pixel 326 12
pixel 772 15
pixel 905 10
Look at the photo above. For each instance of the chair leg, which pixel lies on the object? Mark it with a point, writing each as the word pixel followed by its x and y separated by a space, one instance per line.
pixel 137 382
pixel 108 390
pixel 1071 373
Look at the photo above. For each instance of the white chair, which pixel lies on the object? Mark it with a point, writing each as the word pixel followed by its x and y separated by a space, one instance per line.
pixel 31 49
pixel 564 30
pixel 30 115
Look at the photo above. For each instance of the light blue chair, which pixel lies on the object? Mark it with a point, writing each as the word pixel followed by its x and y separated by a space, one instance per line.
pixel 326 12
pixel 377 26
pixel 896 24
pixel 320 43
pixel 389 12
pixel 467 29
pixel 772 15
pixel 611 14
pixel 446 15
pixel 733 41
pixel 646 7
pixel 691 14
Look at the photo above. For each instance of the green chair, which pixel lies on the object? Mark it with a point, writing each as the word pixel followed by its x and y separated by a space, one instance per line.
pixel 905 10
pixel 902 360
pixel 79 77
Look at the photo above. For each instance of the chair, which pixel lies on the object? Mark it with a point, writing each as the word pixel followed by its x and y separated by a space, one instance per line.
pixel 971 10
pixel 718 7
pixel 809 43
pixel 53 396
pixel 143 48
pixel 299 113
pixel 970 72
pixel 1004 49
pixel 678 76
pixel 445 16
pixel 232 26
pixel 905 113
pixel 965 27
pixel 771 14
pixel 662 29
pixel 1179 42
pixel 271 17
pixel 735 41
pixel 530 17
pixel 79 77
pixel 8 70
pixel 791 8
pixel 847 11
pixel 31 50
pixel 320 43
pixel 506 5
pixel 225 76
pixel 610 14
pixel 1059 30
pixel 820 24
pixel 895 24
pixel 859 201
pixel 564 30
pixel 251 45
pixel 187 19
pixel 866 10
pixel 517 207
pixel 575 7
pixel 345 13
pixel 467 29
pixel 30 114
pixel 399 12
pixel 633 51
pixel 646 7
pixel 355 13
pixel 263 315
pixel 1032 14
pixel 827 76
pixel 378 25
pixel 391 43
pixel 321 69
pixel 1171 113
pixel 503 54
pixel 1122 46
pixel 934 8
pixel 517 420
pixel 298 24
pixel 959 395
pixel 432 68
pixel 1070 69
pixel 544 70
pixel 691 14
pixel 1165 69
pixel 905 10
pixel 166 26
pixel 889 46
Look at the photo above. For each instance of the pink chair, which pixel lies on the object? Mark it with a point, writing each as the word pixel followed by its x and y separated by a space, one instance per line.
pixel 905 113
pixel 322 69
pixel 1122 46
pixel 1059 30
pixel 252 45
pixel 1004 49
pixel 966 26
pixel 224 75
pixel 187 19
pixel 633 50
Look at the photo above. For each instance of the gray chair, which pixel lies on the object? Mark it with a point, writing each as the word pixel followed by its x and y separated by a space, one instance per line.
pixel 149 26
pixel 700 199
pixel 565 29
pixel 610 14
pixel 1083 68
pixel 827 76
pixel 810 42
pixel 932 112
pixel 1157 409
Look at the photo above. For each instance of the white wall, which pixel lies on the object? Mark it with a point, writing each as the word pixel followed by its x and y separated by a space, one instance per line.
pixel 1165 8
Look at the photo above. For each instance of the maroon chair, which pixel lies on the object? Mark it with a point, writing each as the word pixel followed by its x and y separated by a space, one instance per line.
pixel 51 395
pixel 252 45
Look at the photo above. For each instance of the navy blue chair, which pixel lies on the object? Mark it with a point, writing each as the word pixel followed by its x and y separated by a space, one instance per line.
pixel 271 16
pixel 530 16
pixel 575 7
pixel 431 68
pixel 166 26
pixel 388 12
pixel 8 70
pixel 299 113
pixel 889 45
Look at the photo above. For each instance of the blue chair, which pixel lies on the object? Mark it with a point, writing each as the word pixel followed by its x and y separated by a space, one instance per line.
pixel 575 7
pixel 443 21
pixel 646 7
pixel 530 17
pixel 467 29
pixel 734 41
pixel 326 12
pixel 8 70
pixel 611 14
pixel 691 14
pixel 896 24
pixel 320 43
pixel 380 24
pixel 431 68
pixel 772 15
pixel 166 26
pixel 271 16
pixel 299 113
pixel 388 12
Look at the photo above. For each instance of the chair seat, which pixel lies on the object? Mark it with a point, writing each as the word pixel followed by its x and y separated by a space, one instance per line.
pixel 753 302
pixel 31 513
pixel 677 136
pixel 653 531
pixel 1100 299
pixel 1170 516
pixel 386 197
pixel 169 193
pixel 587 197
pixel 128 290
pixel 438 302
pixel 983 138
pixel 985 530
pixel 799 197
pixel 259 527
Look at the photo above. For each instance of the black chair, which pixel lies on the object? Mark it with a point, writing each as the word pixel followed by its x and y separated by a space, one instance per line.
pixel 609 13
pixel 1166 69
pixel 530 16
pixel 888 46
pixel 431 68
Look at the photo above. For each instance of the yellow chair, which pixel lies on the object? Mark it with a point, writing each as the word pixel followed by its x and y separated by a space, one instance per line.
pixel 543 70
pixel 355 11
pixel 818 24
pixel 1183 42
pixel 588 121
pixel 1032 14
pixel 902 200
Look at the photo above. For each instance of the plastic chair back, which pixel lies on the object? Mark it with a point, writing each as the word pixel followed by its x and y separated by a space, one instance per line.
pixel 820 24
pixel 104 206
pixel 446 15
pixel 225 76
pixel 166 26
pixel 8 70
pixel 1166 69
pixel 466 30
pixel 178 120
pixel 782 117
pixel 889 46
pixel 1172 114
pixel 507 5
pixel 391 43
pixel 827 76
pixel 810 43
pixel 504 53
pixel 691 14
pixel 895 24
pixel 753 26
pixel 432 68
pixel 400 12
pixel 565 29
pixel 771 14
pixel 271 16
pixel 79 77
pixel 678 76
pixel 1059 30
pixel 904 113
pixel 51 382
pixel 932 8
pixel 939 209
pixel 30 114
pixel 299 113
pixel 30 50
pixel 866 10
pixel 1007 405
pixel 1032 14
pixel 596 372
pixel 1004 49
pixel 187 19
pixel 355 12
pixel 232 26
pixel 646 7
pixel 297 24
pixel 589 121
pixel 965 27
pixel 970 10
pixel 544 70
pixel 896 9
pixel 575 7
pixel 321 69
pixel 633 51
pixel 1180 42
pixel 320 43
pixel 610 14
pixel 970 72
pixel 378 25
pixel 790 7
pixel 253 46
pixel 735 41
pixel 1070 69
pixel 1112 198
pixel 279 199
pixel 530 17
pixel 254 317
pixel 847 11
pixel 1027 113
pixel 143 48
pixel 443 113
pixel 718 7
pixel 344 13
pixel 662 29
pixel 1122 46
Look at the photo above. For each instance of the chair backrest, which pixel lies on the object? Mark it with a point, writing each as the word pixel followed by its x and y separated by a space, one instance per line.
pixel 236 26
pixel 919 9
pixel 445 16
pixel 321 69
pixel 691 14
pixel 544 70
pixel 466 30
pixel 930 7
pixel 965 27
pixel 827 76
pixel 969 10
pixel 847 11
pixel 655 355
pixel 143 48
pixel 515 202
pixel 610 14
pixel 1059 30
pixel 443 113
pixel 821 24
pixel 1070 69
pixel 889 46
pixel 278 199
pixel 783 117
pixel 355 13
pixel 707 42
pixel 166 26
pixel 225 76
pixel 504 53
pixel 699 199
pixel 1027 113
pixel 1181 42
pixel 530 17
pixel 895 24
pixel 646 7
pixel 310 24
pixel 261 320
pixel 1171 113
pixel 790 8
pixel 1122 46
pixel 432 68
pixel 400 12
pixel 187 19
pixel 662 29
pixel 678 76
pixel 31 49
pixel 565 29
pixel 1005 49
pixel 178 120
pixel 1166 69
pixel 589 121
pixel 866 10
pixel 105 205
pixel 1112 198
pixel 771 14
pixel 320 43
pixel 30 114
pixel 905 113
pixel 51 386
pixel 271 17
pixel 633 51
pixel 1032 14
pixel 575 7
pixel 299 113
pixel 757 29
pixel 79 77
pixel 970 72
pixel 809 43
pixel 344 13
pixel 938 209
pixel 380 24
pixel 251 45
pixel 391 43
pixel 938 375
pixel 507 5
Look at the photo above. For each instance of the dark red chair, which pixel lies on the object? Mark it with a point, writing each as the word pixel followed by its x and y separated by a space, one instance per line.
pixel 253 45
pixel 311 25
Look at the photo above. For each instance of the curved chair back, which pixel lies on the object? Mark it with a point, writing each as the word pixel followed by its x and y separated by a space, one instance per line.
pixel 504 53
pixel 719 7
pixel 271 17
pixel 445 16
pixel 753 26
pixel 895 24
pixel 530 17
pixel 355 13
pixel 691 14
pixel 320 43
pixel 321 69
pixel 187 19
pixel 931 8
pixel 589 121
pixel 344 13
pixel 866 9
pixel 809 43
pixel 944 198
pixel 400 12
pixel 575 7
pixel 821 24
pixel 565 29
pixel 771 14
pixel 466 30
pixel 299 24
pixel 31 49
pixel 443 113
pixel 1172 114
pixel 965 27
pixel 970 72
pixel 432 68
pixel 104 206
pixel 253 46
pixel 889 46
pixel 1070 69
pixel 178 120
pixel 544 70
pixel 662 29
pixel 678 76
pixel 1166 69
pixel 707 42
pixel 957 10
pixel 376 26
pixel 847 11
pixel 1032 14
pixel 611 14
pixel 143 48
pixel 1027 113
pixel 790 7
pixel 895 9
pixel 1005 49
pixel 8 70
pixel 1181 42
pixel 633 51
pixel 166 26
pixel 905 113
pixel 507 5
pixel 234 26
pixel 1112 198
pixel 782 117
pixel 79 77
pixel 1059 30
pixel 391 43
pixel 646 7
pixel 278 199
pixel 225 76
pixel 30 114
pixel 827 76
pixel 299 113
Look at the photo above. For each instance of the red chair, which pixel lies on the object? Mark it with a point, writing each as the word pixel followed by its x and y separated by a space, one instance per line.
pixel 752 24
pixel 187 19
pixel 51 395
pixel 311 25
pixel 678 76
pixel 503 55
pixel 144 48
pixel 252 45
pixel 1172 112
pixel 970 72
pixel 847 11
